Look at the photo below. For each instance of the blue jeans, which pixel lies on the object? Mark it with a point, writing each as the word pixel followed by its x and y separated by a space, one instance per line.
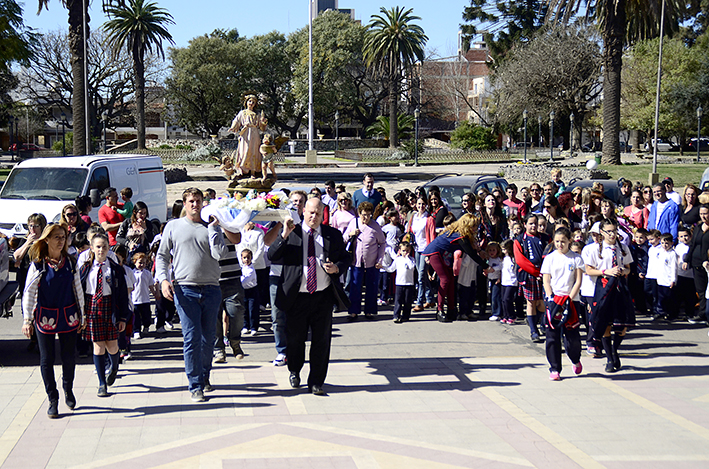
pixel 369 277
pixel 233 306
pixel 198 307
pixel 496 298
pixel 425 292
pixel 278 317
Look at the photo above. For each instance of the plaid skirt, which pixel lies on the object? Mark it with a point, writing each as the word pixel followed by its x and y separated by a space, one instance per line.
pixel 532 289
pixel 99 324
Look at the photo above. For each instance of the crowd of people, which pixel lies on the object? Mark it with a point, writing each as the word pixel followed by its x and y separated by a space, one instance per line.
pixel 554 260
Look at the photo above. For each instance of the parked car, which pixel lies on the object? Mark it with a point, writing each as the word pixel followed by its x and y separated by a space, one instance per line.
pixel 26 147
pixel 664 144
pixel 610 187
pixel 703 144
pixel 598 146
pixel 454 187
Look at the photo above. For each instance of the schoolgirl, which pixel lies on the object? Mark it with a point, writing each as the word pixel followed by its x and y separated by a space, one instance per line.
pixel 52 303
pixel 528 251
pixel 107 308
pixel 612 308
pixel 508 281
pixel 561 271
pixel 494 259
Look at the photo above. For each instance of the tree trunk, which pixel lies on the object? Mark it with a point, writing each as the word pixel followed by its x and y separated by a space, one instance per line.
pixel 393 114
pixel 139 69
pixel 613 39
pixel 76 45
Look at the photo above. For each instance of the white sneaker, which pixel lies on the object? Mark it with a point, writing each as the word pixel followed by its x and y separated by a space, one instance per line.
pixel 127 356
pixel 161 330
pixel 219 356
pixel 244 331
pixel 280 360
pixel 169 326
pixel 253 332
pixel 137 335
pixel 494 318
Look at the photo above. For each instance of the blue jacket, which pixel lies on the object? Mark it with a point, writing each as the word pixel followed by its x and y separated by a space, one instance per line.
pixel 669 219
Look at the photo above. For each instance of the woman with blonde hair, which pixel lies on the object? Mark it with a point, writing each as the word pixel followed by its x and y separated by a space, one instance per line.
pixel 689 215
pixel 459 235
pixel 53 303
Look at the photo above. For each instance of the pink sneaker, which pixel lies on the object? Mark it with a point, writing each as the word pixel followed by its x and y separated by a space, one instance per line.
pixel 578 368
pixel 554 376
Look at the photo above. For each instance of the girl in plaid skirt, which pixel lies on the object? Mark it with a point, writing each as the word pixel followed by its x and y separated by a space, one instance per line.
pixel 106 308
pixel 528 252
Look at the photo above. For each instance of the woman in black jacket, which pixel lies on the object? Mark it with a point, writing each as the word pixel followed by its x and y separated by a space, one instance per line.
pixel 697 256
pixel 136 233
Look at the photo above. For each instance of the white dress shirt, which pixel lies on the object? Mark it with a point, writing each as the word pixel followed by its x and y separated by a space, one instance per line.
pixel 323 279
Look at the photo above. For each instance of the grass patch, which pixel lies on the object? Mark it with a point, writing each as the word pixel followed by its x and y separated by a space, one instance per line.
pixel 681 174
pixel 4 173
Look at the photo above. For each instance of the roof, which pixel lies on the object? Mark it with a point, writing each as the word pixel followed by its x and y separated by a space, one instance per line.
pixel 74 161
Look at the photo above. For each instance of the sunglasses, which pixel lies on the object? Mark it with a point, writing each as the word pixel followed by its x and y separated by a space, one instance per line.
pixel 70 214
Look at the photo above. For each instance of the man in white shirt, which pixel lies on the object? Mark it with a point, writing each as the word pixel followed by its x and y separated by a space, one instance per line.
pixel 329 198
pixel 670 191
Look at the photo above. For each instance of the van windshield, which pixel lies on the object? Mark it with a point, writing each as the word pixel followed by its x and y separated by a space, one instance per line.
pixel 44 183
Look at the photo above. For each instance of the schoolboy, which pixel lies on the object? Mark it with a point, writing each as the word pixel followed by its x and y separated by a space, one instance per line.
pixel 405 266
pixel 638 269
pixel 650 284
pixel 685 291
pixel 666 278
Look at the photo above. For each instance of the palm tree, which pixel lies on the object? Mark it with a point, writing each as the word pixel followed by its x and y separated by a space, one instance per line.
pixel 140 26
pixel 620 22
pixel 391 46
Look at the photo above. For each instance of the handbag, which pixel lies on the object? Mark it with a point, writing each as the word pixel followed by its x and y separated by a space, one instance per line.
pixel 351 245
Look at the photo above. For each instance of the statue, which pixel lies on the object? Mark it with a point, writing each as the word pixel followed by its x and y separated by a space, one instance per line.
pixel 268 155
pixel 247 125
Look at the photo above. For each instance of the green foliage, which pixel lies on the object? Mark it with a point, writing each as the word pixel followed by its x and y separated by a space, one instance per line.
pixel 184 147
pixel 165 146
pixel 381 127
pixel 409 147
pixel 16 40
pixel 469 136
pixel 69 143
pixel 204 153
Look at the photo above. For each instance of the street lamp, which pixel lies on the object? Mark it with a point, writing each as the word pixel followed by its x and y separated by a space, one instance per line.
pixel 11 119
pixel 552 114
pixel 63 134
pixel 571 135
pixel 417 114
pixel 104 118
pixel 337 130
pixel 539 121
pixel 524 115
pixel 700 111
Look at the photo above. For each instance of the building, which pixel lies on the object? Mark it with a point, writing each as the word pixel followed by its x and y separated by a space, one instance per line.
pixel 320 6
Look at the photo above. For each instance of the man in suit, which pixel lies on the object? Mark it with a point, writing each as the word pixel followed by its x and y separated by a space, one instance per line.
pixel 367 193
pixel 312 256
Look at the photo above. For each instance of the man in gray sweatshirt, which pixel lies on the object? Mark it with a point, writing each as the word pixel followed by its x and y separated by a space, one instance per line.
pixel 195 250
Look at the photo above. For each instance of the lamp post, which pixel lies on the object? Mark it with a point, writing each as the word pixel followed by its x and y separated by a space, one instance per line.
pixel 539 121
pixel 571 135
pixel 104 118
pixel 11 119
pixel 524 115
pixel 63 135
pixel 552 114
pixel 337 130
pixel 417 114
pixel 700 111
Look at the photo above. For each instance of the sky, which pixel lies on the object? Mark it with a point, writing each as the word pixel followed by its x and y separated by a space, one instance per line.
pixel 439 19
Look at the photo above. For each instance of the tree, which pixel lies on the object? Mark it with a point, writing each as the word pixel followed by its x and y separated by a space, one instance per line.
pixel 503 24
pixel 469 136
pixel 391 47
pixel 16 43
pixel 559 70
pixel 381 128
pixel 140 27
pixel 620 22
pixel 206 84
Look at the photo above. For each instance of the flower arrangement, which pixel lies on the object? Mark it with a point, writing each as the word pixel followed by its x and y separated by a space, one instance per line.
pixel 235 212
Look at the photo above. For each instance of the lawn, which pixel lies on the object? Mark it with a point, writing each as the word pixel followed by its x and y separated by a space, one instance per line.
pixel 681 174
pixel 4 173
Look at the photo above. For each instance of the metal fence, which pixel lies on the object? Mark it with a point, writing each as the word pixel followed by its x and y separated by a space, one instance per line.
pixel 430 155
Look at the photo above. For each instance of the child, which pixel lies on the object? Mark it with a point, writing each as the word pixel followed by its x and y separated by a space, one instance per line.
pixel 685 290
pixel 577 236
pixel 653 253
pixel 562 271
pixel 465 269
pixel 124 337
pixel 638 269
pixel 577 247
pixel 556 177
pixel 494 254
pixel 104 282
pixel 393 231
pixel 528 249
pixel 127 209
pixel 405 266
pixel 144 285
pixel 517 229
pixel 251 296
pixel 594 347
pixel 666 279
pixel 268 154
pixel 612 307
pixel 508 281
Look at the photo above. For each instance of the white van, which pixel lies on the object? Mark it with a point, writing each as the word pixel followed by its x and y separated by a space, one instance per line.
pixel 46 185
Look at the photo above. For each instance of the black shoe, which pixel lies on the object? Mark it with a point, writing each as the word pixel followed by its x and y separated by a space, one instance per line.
pixel 102 391
pixel 351 317
pixel 207 386
pixel 294 380
pixel 536 339
pixel 70 399
pixel 610 367
pixel 111 378
pixel 442 317
pixel 53 410
pixel 616 361
pixel 317 390
pixel 658 318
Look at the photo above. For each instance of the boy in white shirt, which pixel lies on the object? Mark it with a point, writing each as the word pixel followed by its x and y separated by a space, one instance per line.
pixel 251 294
pixel 465 269
pixel 685 291
pixel 509 283
pixel 594 347
pixel 562 271
pixel 405 267
pixel 666 278
pixel 144 284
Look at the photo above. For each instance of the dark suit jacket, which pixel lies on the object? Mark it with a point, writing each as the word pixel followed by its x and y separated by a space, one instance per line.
pixel 289 253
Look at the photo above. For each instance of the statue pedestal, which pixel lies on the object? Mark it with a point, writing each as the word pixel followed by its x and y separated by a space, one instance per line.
pixel 311 157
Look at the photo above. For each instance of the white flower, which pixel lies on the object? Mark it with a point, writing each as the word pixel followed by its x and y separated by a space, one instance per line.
pixel 257 204
pixel 235 204
pixel 222 202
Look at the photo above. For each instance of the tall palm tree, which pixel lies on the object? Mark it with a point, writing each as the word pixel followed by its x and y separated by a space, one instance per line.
pixel 392 45
pixel 620 22
pixel 140 26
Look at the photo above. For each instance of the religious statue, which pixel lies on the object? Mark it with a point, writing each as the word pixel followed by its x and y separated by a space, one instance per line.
pixel 247 125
